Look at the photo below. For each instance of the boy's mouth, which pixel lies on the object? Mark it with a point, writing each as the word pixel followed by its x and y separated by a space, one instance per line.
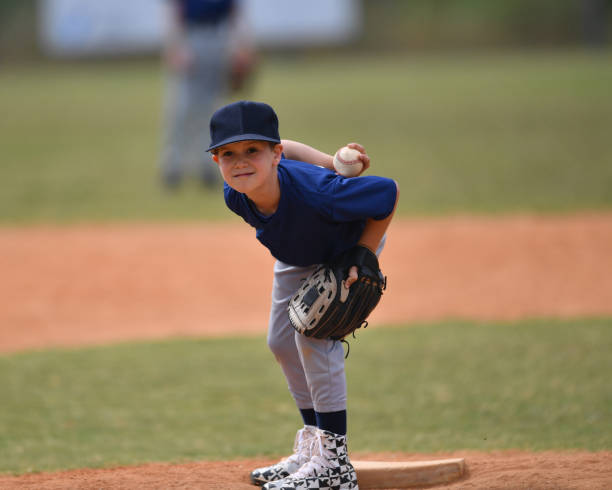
pixel 243 174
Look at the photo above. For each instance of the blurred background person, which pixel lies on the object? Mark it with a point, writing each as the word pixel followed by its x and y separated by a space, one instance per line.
pixel 208 53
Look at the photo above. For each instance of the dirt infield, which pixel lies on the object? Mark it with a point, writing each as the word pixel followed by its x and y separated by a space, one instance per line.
pixel 510 470
pixel 71 286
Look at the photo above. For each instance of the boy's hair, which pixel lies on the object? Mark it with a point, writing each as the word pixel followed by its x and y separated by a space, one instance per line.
pixel 243 120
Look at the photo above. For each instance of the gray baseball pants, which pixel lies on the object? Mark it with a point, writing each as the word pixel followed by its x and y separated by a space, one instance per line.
pixel 314 368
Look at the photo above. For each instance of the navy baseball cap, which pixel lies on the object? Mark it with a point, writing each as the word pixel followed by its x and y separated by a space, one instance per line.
pixel 244 120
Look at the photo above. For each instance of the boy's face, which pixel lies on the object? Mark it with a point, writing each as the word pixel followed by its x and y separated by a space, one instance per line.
pixel 248 166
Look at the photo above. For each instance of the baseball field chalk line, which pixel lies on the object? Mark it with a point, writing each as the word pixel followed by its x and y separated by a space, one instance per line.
pixel 406 474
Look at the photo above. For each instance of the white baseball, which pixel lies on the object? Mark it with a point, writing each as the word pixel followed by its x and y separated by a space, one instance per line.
pixel 347 163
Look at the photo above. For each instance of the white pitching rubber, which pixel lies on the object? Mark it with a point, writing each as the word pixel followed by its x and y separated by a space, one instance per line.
pixel 406 474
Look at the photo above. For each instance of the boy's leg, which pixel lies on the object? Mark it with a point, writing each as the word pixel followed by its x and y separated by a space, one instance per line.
pixel 314 368
pixel 323 363
pixel 281 335
pixel 281 341
pixel 328 466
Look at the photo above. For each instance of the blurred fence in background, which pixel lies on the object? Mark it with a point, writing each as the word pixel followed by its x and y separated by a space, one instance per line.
pixel 391 25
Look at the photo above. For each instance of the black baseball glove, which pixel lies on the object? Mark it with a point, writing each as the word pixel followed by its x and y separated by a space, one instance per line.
pixel 325 309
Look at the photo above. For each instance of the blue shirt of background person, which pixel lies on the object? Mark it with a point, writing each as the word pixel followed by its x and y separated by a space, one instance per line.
pixel 204 11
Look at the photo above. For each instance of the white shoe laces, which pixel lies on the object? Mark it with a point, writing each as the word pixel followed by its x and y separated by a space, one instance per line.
pixel 320 458
pixel 302 446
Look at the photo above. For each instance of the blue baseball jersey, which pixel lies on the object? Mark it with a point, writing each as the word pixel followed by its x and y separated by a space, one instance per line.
pixel 320 214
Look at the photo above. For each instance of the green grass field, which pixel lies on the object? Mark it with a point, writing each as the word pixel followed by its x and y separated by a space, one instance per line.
pixel 456 385
pixel 461 133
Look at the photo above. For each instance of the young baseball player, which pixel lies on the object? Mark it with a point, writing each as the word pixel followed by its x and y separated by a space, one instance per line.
pixel 305 215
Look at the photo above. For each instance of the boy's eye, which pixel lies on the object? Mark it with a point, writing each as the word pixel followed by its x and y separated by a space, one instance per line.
pixel 226 154
pixel 252 149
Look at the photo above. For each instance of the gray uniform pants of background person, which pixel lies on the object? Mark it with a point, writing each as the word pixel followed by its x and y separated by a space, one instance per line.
pixel 192 96
pixel 314 368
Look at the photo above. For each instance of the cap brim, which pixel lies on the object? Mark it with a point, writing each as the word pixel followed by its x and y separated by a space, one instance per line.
pixel 242 137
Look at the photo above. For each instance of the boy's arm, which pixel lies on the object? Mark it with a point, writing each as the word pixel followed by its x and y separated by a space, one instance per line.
pixel 294 150
pixel 372 235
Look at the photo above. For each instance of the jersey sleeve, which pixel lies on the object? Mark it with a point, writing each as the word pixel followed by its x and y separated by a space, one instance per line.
pixel 361 198
pixel 232 199
pixel 238 204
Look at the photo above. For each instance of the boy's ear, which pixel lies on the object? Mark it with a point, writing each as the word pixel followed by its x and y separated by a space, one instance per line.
pixel 278 152
pixel 215 157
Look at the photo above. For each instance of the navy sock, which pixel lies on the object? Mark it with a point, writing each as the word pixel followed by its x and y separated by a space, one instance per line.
pixel 332 421
pixel 308 414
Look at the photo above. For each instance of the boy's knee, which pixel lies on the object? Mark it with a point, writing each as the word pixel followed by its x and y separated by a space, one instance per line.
pixel 279 348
